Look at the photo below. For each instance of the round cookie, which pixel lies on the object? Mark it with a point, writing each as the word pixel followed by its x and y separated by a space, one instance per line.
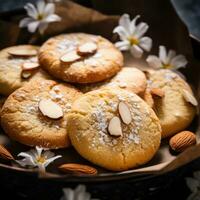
pixel 129 78
pixel 94 129
pixel 12 60
pixel 23 114
pixel 61 57
pixel 174 109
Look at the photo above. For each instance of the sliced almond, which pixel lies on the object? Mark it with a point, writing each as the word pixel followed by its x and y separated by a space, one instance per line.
pixel 30 66
pixel 148 98
pixel 78 168
pixel 50 109
pixel 26 74
pixel 5 154
pixel 70 57
pixel 125 113
pixel 22 52
pixel 157 92
pixel 87 48
pixel 189 97
pixel 114 127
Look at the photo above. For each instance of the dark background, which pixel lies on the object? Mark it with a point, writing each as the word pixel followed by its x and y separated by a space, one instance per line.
pixel 171 186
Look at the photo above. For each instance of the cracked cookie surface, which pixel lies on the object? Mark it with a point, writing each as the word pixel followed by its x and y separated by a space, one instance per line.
pixel 88 123
pixel 104 63
pixel 22 120
pixel 11 68
pixel 174 112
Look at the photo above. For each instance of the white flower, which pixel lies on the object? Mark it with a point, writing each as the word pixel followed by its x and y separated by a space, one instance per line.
pixel 194 186
pixel 37 158
pixel 39 16
pixel 79 193
pixel 131 36
pixel 167 60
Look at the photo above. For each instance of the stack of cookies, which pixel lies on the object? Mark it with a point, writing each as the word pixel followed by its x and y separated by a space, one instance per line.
pixel 75 90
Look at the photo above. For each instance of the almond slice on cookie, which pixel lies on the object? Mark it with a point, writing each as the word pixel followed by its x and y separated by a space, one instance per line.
pixel 125 113
pixel 70 57
pixel 27 66
pixel 87 48
pixel 22 52
pixel 50 109
pixel 114 127
pixel 189 97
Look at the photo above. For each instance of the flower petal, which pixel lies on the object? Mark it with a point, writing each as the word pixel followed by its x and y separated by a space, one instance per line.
pixel 133 24
pixel 140 30
pixel 48 154
pixel 49 9
pixel 41 6
pixel 52 18
pixel 50 160
pixel 68 194
pixel 194 196
pixel 24 22
pixel 120 30
pixel 31 10
pixel 170 56
pixel 123 45
pixel 196 175
pixel 125 21
pixel 192 184
pixel 179 61
pixel 163 54
pixel 39 150
pixel 32 27
pixel 28 159
pixel 136 51
pixel 42 27
pixel 146 43
pixel 154 62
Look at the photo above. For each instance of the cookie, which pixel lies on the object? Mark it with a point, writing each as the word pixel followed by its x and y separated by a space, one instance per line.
pixel 80 58
pixel 18 65
pixel 129 78
pixel 36 113
pixel 176 109
pixel 114 129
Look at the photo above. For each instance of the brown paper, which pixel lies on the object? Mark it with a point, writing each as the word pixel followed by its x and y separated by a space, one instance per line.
pixel 78 18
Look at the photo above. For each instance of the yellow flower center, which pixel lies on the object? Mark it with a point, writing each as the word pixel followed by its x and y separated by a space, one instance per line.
pixel 40 17
pixel 133 41
pixel 167 66
pixel 41 159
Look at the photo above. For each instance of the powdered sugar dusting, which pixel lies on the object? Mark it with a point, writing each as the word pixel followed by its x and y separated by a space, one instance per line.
pixel 67 45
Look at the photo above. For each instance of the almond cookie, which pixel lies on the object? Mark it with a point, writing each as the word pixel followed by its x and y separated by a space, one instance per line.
pixel 175 105
pixel 35 114
pixel 80 58
pixel 18 65
pixel 114 129
pixel 129 78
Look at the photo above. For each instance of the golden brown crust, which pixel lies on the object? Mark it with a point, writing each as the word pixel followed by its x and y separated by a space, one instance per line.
pixel 11 68
pixel 23 122
pixel 106 62
pixel 88 129
pixel 174 112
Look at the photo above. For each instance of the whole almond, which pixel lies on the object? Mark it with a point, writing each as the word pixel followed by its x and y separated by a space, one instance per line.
pixel 87 48
pixel 182 141
pixel 50 109
pixel 114 127
pixel 5 154
pixel 125 113
pixel 157 92
pixel 189 98
pixel 77 168
pixel 70 57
